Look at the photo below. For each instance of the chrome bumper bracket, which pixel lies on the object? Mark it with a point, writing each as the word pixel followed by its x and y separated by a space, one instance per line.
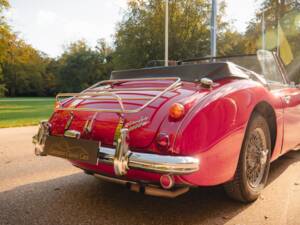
pixel 120 160
pixel 40 138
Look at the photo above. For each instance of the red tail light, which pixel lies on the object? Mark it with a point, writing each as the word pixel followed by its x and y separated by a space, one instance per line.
pixel 163 141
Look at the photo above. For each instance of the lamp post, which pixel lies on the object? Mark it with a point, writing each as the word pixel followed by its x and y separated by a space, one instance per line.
pixel 167 33
pixel 263 30
pixel 213 32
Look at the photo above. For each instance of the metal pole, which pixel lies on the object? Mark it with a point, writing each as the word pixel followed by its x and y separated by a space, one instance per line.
pixel 214 28
pixel 278 14
pixel 263 29
pixel 167 34
pixel 278 37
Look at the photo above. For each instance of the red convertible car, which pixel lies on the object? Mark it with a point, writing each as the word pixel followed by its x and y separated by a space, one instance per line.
pixel 163 130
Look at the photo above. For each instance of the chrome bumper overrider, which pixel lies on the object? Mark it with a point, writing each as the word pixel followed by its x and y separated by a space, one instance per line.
pixel 123 159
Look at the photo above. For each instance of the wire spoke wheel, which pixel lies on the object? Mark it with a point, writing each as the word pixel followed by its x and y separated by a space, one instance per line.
pixel 256 157
pixel 254 162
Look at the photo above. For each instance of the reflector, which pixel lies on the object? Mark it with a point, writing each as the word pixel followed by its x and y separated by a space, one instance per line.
pixel 167 181
pixel 162 141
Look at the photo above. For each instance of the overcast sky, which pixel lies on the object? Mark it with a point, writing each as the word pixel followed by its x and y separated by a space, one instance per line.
pixel 50 24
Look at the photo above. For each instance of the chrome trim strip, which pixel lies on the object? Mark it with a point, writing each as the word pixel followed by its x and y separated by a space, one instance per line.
pixel 152 162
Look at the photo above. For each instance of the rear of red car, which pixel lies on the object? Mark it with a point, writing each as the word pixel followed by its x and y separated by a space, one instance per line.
pixel 115 129
pixel 130 130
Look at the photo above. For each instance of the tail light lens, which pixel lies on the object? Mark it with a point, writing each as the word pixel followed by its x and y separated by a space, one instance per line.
pixel 163 141
pixel 177 111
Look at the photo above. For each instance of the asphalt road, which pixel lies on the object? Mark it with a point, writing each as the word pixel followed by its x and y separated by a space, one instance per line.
pixel 46 190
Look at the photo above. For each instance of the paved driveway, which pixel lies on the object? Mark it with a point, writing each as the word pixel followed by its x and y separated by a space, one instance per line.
pixel 46 190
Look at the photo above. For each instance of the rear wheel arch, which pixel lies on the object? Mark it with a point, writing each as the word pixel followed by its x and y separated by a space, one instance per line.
pixel 241 187
pixel 267 111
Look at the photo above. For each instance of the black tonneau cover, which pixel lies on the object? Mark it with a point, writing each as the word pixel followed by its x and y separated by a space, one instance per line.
pixel 191 72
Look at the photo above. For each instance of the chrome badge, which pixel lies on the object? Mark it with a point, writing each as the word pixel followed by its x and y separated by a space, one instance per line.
pixel 133 125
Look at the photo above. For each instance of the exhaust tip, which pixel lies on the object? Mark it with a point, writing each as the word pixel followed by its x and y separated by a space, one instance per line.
pixel 167 181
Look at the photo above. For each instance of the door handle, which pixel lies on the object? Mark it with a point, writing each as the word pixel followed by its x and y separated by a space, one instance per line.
pixel 287 99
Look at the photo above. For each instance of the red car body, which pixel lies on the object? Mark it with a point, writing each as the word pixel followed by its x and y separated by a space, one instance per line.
pixel 212 129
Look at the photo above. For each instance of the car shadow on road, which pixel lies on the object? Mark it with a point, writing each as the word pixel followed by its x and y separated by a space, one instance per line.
pixel 82 199
pixel 280 165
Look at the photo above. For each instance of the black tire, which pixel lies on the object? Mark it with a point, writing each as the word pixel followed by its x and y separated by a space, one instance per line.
pixel 241 188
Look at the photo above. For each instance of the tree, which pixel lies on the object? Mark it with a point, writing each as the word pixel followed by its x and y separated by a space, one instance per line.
pixel 274 14
pixel 231 43
pixel 23 69
pixel 4 32
pixel 281 20
pixel 4 4
pixel 80 66
pixel 140 35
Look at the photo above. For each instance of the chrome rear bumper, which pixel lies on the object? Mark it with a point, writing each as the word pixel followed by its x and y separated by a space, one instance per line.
pixel 153 162
pixel 123 159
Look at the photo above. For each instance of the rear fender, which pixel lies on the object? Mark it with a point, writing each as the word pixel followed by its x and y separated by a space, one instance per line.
pixel 214 130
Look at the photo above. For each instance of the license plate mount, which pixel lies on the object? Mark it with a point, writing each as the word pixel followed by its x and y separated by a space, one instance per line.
pixel 73 149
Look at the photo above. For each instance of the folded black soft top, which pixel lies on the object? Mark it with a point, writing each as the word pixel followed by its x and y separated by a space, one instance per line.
pixel 190 72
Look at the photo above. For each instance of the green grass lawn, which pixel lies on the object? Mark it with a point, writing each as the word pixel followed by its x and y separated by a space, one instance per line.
pixel 16 112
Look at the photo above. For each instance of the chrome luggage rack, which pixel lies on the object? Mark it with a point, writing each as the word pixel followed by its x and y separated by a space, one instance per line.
pixel 103 91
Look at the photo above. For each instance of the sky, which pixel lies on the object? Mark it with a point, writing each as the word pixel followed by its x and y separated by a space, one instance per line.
pixel 49 25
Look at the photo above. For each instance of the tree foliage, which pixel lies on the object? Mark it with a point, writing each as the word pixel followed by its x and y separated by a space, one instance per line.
pixel 80 66
pixel 274 14
pixel 4 34
pixel 281 20
pixel 140 36
pixel 25 71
